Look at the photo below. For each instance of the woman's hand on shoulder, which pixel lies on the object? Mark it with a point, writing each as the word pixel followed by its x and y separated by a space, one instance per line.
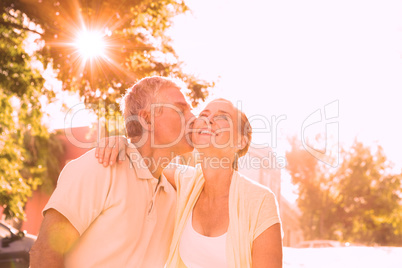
pixel 111 150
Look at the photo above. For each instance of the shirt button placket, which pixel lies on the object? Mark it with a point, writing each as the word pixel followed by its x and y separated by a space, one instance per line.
pixel 152 203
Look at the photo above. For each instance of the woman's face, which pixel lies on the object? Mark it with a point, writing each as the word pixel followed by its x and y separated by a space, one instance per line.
pixel 217 128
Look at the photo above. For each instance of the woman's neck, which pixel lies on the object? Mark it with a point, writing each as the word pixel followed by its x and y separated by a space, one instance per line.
pixel 217 181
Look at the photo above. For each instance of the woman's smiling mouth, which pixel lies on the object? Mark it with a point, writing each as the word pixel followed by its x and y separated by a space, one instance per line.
pixel 206 132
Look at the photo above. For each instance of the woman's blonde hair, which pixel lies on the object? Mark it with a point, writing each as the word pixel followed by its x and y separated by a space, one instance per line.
pixel 245 132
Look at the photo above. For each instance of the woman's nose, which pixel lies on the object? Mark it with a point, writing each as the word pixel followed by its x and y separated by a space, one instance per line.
pixel 211 119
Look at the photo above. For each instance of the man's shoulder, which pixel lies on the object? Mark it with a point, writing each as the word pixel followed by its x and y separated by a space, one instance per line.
pixel 86 164
pixel 86 161
pixel 87 158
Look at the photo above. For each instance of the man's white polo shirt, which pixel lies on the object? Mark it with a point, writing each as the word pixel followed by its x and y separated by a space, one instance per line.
pixel 125 218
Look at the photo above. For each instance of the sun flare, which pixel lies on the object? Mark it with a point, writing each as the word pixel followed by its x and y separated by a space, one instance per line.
pixel 90 44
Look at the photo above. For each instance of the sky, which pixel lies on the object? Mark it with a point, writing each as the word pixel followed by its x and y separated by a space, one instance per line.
pixel 288 59
pixel 301 68
pixel 294 57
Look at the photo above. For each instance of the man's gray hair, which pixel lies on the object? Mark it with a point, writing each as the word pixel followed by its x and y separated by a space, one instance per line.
pixel 140 97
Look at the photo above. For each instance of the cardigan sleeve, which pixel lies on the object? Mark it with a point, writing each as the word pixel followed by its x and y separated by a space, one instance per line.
pixel 183 175
pixel 267 214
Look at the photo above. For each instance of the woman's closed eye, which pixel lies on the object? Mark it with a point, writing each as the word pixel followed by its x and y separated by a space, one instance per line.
pixel 221 117
pixel 202 115
pixel 215 117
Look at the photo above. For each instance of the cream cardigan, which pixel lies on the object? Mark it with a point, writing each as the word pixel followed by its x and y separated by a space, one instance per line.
pixel 252 209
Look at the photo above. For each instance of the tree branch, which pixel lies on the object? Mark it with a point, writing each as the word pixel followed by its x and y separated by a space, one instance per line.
pixel 17 26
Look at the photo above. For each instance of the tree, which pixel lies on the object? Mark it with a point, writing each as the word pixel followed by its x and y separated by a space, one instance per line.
pixel 315 189
pixel 26 148
pixel 369 197
pixel 137 46
pixel 135 42
pixel 359 201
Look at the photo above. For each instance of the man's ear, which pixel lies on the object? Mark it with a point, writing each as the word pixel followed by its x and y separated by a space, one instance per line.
pixel 144 119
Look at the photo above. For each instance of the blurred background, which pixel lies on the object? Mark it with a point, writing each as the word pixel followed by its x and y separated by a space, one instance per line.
pixel 319 80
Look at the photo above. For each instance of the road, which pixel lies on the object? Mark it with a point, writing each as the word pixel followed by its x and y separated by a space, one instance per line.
pixel 343 257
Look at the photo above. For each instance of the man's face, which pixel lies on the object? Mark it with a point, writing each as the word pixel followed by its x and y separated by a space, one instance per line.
pixel 170 125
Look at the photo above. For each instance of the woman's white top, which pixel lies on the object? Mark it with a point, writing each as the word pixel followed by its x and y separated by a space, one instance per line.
pixel 199 251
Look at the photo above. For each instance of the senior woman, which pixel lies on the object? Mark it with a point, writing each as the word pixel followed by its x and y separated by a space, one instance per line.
pixel 223 219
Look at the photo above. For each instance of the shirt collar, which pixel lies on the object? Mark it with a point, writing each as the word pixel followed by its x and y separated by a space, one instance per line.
pixel 165 184
pixel 140 166
pixel 138 163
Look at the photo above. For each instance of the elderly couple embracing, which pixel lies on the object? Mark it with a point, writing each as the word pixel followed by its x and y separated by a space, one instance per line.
pixel 144 212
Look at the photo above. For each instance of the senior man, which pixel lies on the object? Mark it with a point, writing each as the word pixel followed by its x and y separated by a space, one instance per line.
pixel 120 215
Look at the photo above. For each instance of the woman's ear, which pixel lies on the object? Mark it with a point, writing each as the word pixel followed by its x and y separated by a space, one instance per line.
pixel 144 119
pixel 243 142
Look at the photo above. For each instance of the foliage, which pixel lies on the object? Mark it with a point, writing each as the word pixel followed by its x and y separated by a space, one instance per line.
pixel 25 154
pixel 360 201
pixel 369 199
pixel 315 200
pixel 137 47
pixel 134 31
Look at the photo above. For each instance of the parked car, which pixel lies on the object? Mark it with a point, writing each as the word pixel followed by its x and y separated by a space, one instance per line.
pixel 320 244
pixel 15 246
